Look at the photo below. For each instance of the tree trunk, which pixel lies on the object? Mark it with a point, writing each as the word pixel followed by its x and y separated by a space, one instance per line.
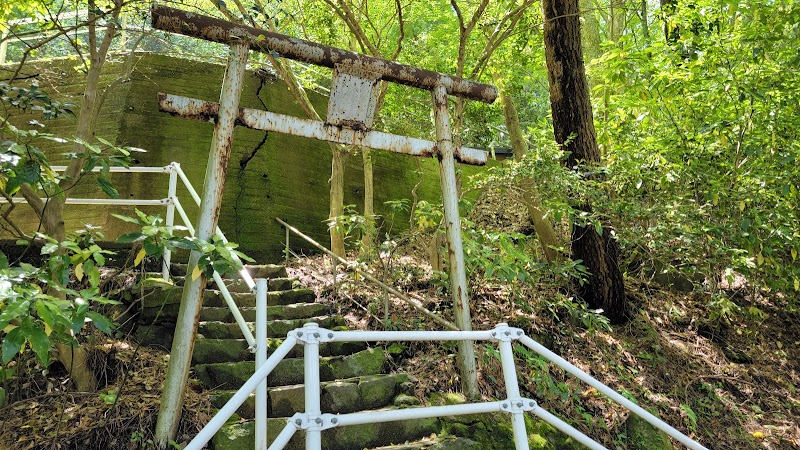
pixel 590 31
pixel 572 121
pixel 644 20
pixel 544 229
pixel 76 361
pixel 617 19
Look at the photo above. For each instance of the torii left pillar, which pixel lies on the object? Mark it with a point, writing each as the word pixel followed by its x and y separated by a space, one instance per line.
pixel 172 397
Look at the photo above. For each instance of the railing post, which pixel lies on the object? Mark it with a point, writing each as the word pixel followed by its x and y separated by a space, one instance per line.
pixel 189 313
pixel 312 388
pixel 261 358
pixel 513 399
pixel 170 220
pixel 455 247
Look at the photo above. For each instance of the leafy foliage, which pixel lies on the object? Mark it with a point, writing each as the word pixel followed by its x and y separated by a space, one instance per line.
pixel 701 135
pixel 155 237
pixel 43 305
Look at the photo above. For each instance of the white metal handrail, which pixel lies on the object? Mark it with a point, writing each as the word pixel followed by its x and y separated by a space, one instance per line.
pixel 173 204
pixel 313 421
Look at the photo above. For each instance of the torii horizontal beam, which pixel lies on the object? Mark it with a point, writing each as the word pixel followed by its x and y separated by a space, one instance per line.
pixel 269 121
pixel 217 30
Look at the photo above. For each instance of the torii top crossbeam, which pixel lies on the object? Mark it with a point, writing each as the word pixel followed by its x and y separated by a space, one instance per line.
pixel 216 30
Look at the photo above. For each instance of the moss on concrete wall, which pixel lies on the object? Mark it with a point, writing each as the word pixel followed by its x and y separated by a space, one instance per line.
pixel 286 177
pixel 64 80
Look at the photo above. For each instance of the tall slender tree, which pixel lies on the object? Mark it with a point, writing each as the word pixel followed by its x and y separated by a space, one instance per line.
pixel 574 129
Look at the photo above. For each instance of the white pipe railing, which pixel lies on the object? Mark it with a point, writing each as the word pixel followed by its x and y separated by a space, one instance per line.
pixel 243 274
pixel 172 195
pixel 223 290
pixel 262 287
pixel 313 421
pixel 101 201
pixel 173 204
pixel 613 395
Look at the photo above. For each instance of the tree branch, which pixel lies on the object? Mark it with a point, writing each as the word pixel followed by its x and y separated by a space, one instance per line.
pixel 402 31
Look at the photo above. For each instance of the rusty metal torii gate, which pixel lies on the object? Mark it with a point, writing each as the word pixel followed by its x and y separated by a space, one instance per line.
pixel 349 120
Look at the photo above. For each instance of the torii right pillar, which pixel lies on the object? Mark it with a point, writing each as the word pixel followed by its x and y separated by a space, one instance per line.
pixel 455 245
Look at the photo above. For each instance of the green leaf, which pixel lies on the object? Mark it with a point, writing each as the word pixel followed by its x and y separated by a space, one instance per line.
pixel 107 187
pixel 3 261
pixel 104 141
pixel 100 321
pixel 49 248
pixel 101 260
pixel 145 219
pixel 40 343
pixel 28 172
pixel 12 344
pixel 691 414
pixel 183 243
pixel 127 219
pixel 243 256
pixel 129 238
pixel 152 247
pixel 46 313
pixel 17 308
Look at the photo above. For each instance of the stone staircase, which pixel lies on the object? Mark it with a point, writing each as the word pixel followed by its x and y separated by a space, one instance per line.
pixel 353 375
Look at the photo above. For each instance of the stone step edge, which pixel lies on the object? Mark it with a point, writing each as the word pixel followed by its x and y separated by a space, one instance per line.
pixel 375 385
pixel 238 435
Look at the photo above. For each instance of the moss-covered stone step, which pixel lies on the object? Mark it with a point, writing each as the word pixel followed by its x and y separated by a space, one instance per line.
pixel 255 270
pixel 275 328
pixel 338 397
pixel 240 436
pixel 437 443
pixel 149 279
pixel 280 312
pixel 274 284
pixel 266 270
pixel 246 299
pixel 161 297
pixel 286 318
pixel 232 375
pixel 209 351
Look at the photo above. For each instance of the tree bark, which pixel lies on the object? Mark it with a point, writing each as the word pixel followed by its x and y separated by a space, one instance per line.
pixel 51 212
pixel 544 229
pixel 574 128
pixel 617 16
pixel 590 31
pixel 76 361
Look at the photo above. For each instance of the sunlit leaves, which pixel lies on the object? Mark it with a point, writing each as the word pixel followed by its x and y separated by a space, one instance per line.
pixel 710 151
pixel 39 306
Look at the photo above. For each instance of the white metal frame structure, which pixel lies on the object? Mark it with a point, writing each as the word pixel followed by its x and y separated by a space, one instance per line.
pixel 172 204
pixel 313 421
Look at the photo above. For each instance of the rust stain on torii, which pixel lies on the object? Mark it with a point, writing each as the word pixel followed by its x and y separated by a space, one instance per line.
pixel 217 30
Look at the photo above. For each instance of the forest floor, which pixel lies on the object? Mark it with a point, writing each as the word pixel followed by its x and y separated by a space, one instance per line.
pixel 731 382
